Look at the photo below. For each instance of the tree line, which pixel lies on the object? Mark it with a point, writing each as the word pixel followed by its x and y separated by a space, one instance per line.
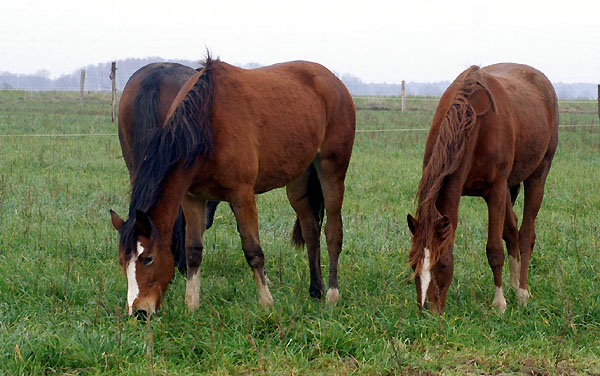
pixel 96 79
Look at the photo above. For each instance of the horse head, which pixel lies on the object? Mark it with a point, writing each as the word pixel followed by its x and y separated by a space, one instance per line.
pixel 432 260
pixel 146 260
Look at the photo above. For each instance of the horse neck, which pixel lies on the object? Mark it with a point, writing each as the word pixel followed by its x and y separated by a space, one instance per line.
pixel 450 193
pixel 166 209
pixel 447 199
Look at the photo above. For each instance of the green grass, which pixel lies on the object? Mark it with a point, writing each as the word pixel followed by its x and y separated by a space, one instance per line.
pixel 62 292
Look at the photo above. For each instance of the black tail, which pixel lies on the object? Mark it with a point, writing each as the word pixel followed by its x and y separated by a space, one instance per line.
pixel 315 196
pixel 146 114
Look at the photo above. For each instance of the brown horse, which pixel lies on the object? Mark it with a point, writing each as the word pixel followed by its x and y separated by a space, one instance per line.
pixel 232 133
pixel 494 128
pixel 143 107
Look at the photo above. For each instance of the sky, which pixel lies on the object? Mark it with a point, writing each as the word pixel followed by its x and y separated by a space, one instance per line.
pixel 377 41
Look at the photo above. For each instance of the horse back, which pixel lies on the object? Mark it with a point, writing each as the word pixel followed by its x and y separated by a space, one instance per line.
pixel 269 123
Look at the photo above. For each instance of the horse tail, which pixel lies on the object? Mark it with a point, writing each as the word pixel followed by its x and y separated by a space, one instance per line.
pixel 315 197
pixel 146 114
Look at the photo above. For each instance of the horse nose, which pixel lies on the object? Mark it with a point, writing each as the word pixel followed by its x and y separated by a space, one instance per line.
pixel 141 315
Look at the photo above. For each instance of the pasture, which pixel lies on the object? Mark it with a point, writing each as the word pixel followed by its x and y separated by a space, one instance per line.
pixel 63 294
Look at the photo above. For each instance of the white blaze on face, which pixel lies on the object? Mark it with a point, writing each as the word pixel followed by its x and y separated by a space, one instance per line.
pixel 425 275
pixel 132 286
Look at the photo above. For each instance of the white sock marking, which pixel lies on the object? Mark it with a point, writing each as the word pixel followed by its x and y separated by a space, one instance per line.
pixel 499 301
pixel 515 271
pixel 522 295
pixel 425 275
pixel 192 290
pixel 333 295
pixel 264 295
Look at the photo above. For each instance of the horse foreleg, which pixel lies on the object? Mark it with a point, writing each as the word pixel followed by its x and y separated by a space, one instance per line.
pixel 244 209
pixel 194 211
pixel 496 201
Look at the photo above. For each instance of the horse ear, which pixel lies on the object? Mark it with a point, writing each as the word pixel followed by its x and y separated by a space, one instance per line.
pixel 413 223
pixel 443 226
pixel 117 222
pixel 143 224
pixel 482 100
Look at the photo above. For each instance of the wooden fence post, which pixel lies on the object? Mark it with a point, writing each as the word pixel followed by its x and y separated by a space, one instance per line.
pixel 403 87
pixel 81 86
pixel 598 101
pixel 113 78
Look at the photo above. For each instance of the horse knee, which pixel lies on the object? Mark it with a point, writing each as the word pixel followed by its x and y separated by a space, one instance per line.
pixel 255 257
pixel 194 256
pixel 495 256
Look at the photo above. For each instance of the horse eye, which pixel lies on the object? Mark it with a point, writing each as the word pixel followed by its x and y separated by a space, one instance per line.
pixel 148 260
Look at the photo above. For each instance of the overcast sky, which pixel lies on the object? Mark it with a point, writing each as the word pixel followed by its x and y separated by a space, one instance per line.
pixel 378 41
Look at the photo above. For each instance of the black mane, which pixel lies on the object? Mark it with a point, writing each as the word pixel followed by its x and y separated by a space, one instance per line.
pixel 185 136
pixel 145 105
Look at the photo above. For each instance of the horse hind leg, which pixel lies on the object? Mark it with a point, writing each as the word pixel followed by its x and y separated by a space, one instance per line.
pixel 534 194
pixel 496 201
pixel 331 174
pixel 511 237
pixel 244 209
pixel 306 198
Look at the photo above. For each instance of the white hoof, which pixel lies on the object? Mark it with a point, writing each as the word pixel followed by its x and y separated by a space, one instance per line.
pixel 499 302
pixel 333 295
pixel 523 296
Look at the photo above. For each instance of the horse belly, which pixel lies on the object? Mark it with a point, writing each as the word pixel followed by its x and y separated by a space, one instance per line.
pixel 529 152
pixel 284 164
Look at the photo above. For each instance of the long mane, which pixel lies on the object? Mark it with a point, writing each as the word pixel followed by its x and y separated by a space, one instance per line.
pixel 448 151
pixel 185 136
pixel 146 105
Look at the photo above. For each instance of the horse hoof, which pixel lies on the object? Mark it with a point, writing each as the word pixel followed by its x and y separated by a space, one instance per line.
pixel 333 295
pixel 500 306
pixel 265 298
pixel 265 301
pixel 499 302
pixel 523 296
pixel 191 303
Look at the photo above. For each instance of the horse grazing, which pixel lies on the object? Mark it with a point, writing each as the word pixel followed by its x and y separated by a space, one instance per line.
pixel 494 128
pixel 232 133
pixel 143 107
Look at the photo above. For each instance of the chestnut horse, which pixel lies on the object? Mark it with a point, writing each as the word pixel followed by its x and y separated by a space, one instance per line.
pixel 232 133
pixel 143 107
pixel 494 128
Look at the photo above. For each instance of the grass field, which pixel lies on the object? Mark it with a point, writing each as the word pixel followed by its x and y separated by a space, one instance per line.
pixel 63 294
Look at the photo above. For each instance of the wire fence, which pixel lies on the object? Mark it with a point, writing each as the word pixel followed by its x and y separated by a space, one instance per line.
pixel 379 103
pixel 432 99
pixel 357 131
